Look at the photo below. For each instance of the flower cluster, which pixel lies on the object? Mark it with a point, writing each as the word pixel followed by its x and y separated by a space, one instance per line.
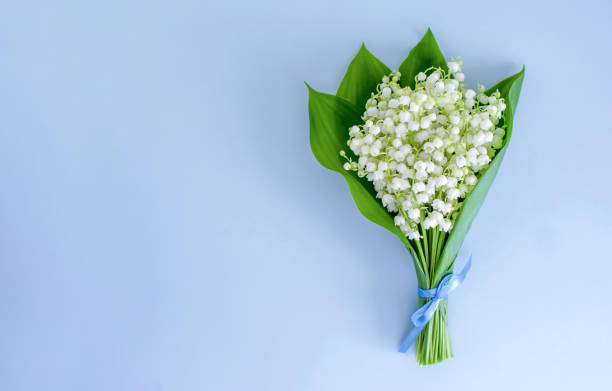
pixel 424 147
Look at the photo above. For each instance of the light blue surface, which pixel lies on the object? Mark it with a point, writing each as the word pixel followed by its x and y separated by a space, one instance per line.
pixel 164 225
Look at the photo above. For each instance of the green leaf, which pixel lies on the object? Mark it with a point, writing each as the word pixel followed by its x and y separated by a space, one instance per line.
pixel 362 76
pixel 510 89
pixel 424 55
pixel 330 118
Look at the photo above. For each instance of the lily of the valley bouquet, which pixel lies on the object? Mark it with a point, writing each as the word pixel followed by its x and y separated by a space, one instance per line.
pixel 419 151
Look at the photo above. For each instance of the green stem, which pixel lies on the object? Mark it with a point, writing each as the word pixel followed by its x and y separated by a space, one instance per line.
pixel 441 242
pixel 426 246
pixel 434 246
pixel 433 344
pixel 421 254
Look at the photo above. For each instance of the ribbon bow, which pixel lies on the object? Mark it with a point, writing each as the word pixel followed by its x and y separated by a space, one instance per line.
pixel 421 316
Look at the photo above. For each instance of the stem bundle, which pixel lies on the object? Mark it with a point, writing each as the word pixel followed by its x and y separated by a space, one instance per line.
pixel 433 344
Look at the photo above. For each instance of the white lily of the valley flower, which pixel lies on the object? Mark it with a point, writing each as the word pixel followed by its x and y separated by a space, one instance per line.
pixel 423 148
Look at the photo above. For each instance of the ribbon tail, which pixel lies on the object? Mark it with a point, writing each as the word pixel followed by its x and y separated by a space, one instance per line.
pixel 410 338
pixel 419 320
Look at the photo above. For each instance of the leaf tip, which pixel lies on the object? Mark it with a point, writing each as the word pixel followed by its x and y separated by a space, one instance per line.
pixel 520 75
pixel 362 49
pixel 429 34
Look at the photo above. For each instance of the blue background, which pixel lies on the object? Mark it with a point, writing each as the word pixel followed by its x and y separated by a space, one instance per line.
pixel 164 226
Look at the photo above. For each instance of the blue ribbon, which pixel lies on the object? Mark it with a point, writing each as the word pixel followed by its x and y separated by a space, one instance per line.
pixel 424 314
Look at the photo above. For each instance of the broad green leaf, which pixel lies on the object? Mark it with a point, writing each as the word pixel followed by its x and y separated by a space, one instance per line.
pixel 362 76
pixel 424 55
pixel 510 89
pixel 330 119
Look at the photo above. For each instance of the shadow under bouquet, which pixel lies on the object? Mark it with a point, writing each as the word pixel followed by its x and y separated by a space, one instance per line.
pixel 419 151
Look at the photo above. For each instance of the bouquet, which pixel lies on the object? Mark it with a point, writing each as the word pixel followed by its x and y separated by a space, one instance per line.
pixel 419 151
